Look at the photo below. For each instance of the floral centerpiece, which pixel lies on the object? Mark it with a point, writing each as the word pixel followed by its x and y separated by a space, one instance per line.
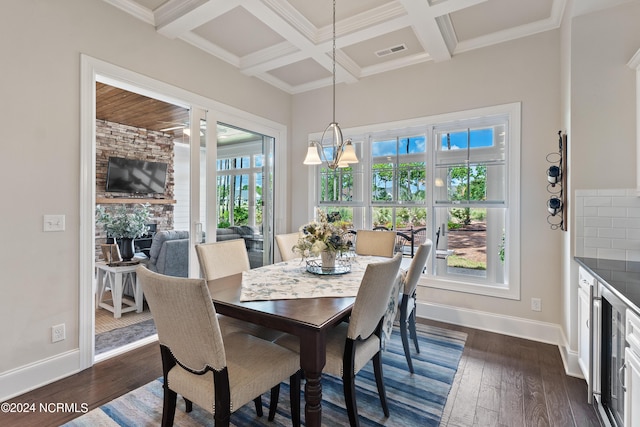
pixel 125 225
pixel 322 237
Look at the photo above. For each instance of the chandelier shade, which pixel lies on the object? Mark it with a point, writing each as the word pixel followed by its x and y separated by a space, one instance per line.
pixel 344 152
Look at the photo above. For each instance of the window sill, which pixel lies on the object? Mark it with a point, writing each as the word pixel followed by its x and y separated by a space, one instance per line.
pixel 498 290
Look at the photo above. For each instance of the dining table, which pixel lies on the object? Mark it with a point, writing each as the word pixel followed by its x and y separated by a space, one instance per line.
pixel 289 298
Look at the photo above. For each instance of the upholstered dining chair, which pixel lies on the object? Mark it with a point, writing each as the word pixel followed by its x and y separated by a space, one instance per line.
pixel 375 243
pixel 223 259
pixel 351 345
pixel 408 301
pixel 285 244
pixel 218 374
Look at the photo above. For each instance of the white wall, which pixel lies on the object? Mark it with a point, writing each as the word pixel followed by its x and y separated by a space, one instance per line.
pixel 41 43
pixel 525 70
pixel 603 129
pixel 600 114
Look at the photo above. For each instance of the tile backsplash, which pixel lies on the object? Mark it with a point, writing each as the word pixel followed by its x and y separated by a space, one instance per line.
pixel 608 224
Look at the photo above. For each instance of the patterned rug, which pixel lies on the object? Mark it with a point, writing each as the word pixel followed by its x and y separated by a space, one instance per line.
pixel 414 400
pixel 119 337
pixel 105 321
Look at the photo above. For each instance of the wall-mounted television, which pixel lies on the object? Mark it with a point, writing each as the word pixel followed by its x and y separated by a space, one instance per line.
pixel 135 176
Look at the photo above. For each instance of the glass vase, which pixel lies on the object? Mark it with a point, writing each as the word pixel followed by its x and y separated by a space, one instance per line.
pixel 328 259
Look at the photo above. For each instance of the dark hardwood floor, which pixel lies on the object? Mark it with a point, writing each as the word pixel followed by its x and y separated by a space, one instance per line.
pixel 501 381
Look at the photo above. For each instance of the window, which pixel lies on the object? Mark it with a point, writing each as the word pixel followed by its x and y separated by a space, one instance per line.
pixel 398 182
pixel 452 178
pixel 239 190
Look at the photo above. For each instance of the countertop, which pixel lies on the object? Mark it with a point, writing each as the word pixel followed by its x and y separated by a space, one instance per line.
pixel 620 277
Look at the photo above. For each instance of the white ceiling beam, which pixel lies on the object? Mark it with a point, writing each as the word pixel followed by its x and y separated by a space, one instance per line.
pixel 176 18
pixel 551 23
pixel 423 20
pixel 211 48
pixel 290 33
pixel 252 66
pixel 134 9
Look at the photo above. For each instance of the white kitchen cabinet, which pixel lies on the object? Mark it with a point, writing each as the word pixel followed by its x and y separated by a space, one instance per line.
pixel 632 371
pixel 583 332
pixel 586 288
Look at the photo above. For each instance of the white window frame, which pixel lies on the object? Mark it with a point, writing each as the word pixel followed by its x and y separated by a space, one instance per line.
pixel 510 289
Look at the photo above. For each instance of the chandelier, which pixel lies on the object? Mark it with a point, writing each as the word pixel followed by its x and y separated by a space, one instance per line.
pixel 343 151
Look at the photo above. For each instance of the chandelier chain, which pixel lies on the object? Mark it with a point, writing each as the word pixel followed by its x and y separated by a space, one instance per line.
pixel 334 61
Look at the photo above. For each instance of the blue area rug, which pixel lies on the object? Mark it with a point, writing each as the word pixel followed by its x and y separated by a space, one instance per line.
pixel 414 400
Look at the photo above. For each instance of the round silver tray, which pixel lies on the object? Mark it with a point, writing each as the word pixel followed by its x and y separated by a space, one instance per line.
pixel 315 267
pixel 327 271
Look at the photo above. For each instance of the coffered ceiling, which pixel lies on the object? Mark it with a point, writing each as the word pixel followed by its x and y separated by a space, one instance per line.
pixel 288 43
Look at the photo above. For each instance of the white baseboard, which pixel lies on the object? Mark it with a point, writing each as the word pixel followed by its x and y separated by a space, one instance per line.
pixel 125 348
pixel 29 377
pixel 549 333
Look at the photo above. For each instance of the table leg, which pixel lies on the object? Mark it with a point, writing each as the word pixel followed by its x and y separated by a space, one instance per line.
pixel 312 361
pixel 116 293
pixel 138 295
pixel 100 287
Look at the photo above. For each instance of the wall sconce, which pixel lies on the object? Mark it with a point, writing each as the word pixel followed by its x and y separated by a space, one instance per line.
pixel 556 183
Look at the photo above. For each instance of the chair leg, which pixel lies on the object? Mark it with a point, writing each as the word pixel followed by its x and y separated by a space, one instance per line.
pixel 188 405
pixel 349 382
pixel 294 398
pixel 273 402
pixel 258 402
pixel 169 407
pixel 377 369
pixel 349 386
pixel 412 328
pixel 403 330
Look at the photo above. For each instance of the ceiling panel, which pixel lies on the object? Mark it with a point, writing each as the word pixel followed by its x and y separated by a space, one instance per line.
pixel 482 19
pixel 301 72
pixel 287 43
pixel 238 32
pixel 364 53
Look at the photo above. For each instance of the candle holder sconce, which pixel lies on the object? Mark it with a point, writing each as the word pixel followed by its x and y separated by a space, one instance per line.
pixel 556 184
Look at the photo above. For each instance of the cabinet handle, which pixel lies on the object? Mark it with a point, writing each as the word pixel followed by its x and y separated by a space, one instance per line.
pixel 621 377
pixel 587 322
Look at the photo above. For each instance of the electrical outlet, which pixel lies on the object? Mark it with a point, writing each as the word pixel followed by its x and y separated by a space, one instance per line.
pixel 58 333
pixel 536 304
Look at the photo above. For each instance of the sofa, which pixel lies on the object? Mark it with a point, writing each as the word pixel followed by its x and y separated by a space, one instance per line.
pixel 169 252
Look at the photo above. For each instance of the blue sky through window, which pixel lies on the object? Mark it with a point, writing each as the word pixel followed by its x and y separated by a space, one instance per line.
pixel 412 145
pixel 477 138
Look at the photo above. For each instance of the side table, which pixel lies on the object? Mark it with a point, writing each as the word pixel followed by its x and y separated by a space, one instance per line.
pixel 116 278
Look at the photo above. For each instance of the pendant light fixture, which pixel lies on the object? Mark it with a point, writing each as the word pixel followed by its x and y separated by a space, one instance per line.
pixel 343 151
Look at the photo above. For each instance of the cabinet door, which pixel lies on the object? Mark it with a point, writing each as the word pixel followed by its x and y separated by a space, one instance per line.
pixel 632 394
pixel 583 332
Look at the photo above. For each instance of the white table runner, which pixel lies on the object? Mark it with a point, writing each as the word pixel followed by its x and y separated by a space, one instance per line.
pixel 290 280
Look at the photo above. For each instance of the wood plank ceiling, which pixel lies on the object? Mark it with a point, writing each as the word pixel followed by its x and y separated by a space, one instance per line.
pixel 120 106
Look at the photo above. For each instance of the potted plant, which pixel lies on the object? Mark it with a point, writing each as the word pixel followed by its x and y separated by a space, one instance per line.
pixel 124 225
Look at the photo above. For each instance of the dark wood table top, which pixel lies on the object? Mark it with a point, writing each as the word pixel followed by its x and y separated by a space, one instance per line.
pixel 289 315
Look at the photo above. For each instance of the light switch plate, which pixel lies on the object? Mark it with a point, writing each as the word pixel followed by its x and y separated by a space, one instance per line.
pixel 53 223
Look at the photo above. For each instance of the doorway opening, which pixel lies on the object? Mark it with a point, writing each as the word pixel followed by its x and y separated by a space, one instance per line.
pixel 198 174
